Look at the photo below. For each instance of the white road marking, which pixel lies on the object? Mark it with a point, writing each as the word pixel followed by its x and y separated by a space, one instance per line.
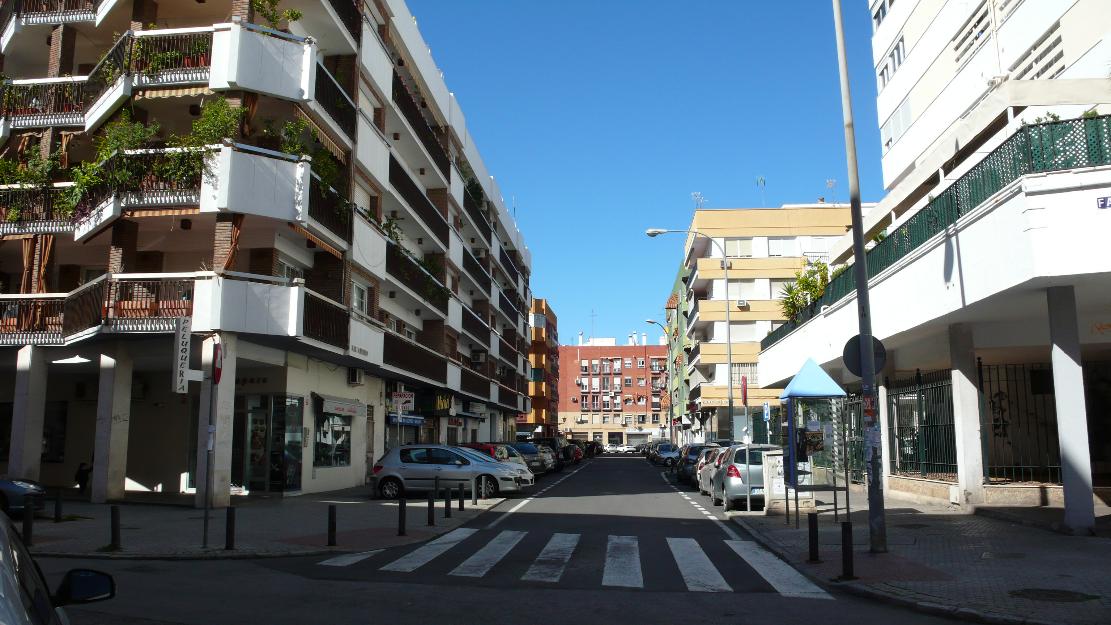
pixel 695 567
pixel 484 559
pixel 517 507
pixel 416 559
pixel 785 579
pixel 623 563
pixel 549 565
pixel 348 559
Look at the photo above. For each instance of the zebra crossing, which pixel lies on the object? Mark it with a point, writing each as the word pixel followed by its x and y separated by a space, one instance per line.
pixel 715 565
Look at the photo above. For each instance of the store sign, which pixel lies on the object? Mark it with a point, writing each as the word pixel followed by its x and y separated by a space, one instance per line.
pixel 340 407
pixel 183 327
pixel 403 401
pixel 455 422
pixel 394 419
pixel 1103 202
pixel 445 404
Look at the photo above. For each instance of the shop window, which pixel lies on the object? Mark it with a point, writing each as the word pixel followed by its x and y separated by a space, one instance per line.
pixel 333 441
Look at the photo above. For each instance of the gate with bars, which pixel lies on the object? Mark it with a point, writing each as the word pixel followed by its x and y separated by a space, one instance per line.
pixel 920 427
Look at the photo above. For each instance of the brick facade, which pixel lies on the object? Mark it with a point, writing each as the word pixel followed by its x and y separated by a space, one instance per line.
pixel 600 423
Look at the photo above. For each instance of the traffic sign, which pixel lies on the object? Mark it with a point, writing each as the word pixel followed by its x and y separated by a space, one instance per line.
pixel 217 362
pixel 767 412
pixel 851 354
pixel 744 389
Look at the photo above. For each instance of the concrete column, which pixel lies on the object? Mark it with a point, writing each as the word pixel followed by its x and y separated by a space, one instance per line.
pixel 1072 414
pixel 113 420
pixel 222 419
pixel 966 416
pixel 27 413
pixel 885 376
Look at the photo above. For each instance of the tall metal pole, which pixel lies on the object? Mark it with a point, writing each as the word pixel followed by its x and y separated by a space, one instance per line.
pixel 877 526
pixel 667 387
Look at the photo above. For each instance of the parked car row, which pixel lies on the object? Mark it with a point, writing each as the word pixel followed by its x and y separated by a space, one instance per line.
pixel 491 467
pixel 728 474
pixel 615 448
pixel 666 454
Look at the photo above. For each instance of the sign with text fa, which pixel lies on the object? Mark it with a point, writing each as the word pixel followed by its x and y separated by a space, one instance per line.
pixel 182 329
pixel 1103 202
pixel 403 401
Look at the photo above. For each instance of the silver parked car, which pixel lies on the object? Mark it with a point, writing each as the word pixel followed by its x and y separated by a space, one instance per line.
pixel 705 464
pixel 713 472
pixel 730 488
pixel 416 467
pixel 532 457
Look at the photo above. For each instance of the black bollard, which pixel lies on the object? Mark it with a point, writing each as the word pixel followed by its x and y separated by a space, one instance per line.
pixel 474 492
pixel 447 503
pixel 460 497
pixel 28 520
pixel 332 525
pixel 58 506
pixel 115 544
pixel 431 508
pixel 436 485
pixel 812 523
pixel 229 530
pixel 401 516
pixel 847 551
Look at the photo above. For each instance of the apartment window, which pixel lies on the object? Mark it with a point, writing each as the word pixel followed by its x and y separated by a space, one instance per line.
pixel 605 418
pixel 881 13
pixel 628 363
pixel 584 400
pixel 360 297
pixel 640 363
pixel 594 384
pixel 617 403
pixel 896 125
pixel 410 333
pixel 740 331
pixel 655 417
pixel 782 246
pixel 605 366
pixel 747 369
pixel 641 400
pixel 617 384
pixel 742 289
pixel 287 269
pixel 738 248
pixel 628 401
pixel 605 384
pixel 657 365
pixel 642 418
pixel 628 381
pixel 778 286
pixel 640 381
pixel 583 366
pixel 606 403
pixel 594 367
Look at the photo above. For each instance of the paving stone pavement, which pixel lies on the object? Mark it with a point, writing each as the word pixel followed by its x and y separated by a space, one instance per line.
pixel 264 527
pixel 945 561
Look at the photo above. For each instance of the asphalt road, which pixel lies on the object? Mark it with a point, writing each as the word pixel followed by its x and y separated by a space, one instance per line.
pixel 611 540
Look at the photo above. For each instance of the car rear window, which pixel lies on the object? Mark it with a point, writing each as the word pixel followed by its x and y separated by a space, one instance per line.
pixel 415 456
pixel 755 457
pixel 526 448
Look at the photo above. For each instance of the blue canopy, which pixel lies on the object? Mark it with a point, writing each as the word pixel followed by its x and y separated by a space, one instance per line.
pixel 812 381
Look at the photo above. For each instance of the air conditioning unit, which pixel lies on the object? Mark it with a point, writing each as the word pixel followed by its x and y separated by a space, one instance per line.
pixel 479 252
pixel 742 303
pixel 354 376
pixel 478 357
pixel 574 400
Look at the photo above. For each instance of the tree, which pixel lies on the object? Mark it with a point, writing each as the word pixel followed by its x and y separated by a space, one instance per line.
pixel 810 283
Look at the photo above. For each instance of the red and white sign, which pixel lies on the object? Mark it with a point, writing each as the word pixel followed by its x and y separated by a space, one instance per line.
pixel 744 389
pixel 217 362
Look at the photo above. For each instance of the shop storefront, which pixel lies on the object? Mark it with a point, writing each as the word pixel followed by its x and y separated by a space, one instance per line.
pixel 267 443
pixel 332 431
pixel 403 429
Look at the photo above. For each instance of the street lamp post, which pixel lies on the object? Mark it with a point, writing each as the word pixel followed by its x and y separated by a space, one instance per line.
pixel 655 232
pixel 670 375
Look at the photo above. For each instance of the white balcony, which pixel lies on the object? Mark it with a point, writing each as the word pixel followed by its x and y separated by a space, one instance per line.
pixel 246 303
pixel 368 248
pixel 372 151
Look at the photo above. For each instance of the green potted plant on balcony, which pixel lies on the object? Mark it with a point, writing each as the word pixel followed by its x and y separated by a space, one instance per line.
pixel 269 11
pixel 809 285
pixel 108 168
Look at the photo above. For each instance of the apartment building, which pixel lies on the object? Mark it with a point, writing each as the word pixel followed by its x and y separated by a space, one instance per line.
pixel 543 356
pixel 611 393
pixel 990 288
pixel 271 236
pixel 761 250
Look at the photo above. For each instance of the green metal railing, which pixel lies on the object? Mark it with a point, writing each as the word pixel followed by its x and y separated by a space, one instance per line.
pixel 1019 424
pixel 1052 146
pixel 920 427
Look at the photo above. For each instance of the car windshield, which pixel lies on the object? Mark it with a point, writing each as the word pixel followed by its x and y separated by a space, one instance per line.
pixel 525 448
pixel 474 455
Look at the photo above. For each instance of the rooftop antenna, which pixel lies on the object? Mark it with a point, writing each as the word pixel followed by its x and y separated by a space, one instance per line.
pixel 592 317
pixel 762 182
pixel 698 199
pixel 514 206
pixel 831 184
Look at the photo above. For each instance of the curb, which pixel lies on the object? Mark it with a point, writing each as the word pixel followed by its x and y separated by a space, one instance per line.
pixel 221 554
pixel 869 592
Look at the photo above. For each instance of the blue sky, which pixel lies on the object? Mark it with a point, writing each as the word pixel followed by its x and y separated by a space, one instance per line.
pixel 600 117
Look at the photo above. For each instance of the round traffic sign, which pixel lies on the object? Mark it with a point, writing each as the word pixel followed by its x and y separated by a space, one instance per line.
pixel 851 355
pixel 217 362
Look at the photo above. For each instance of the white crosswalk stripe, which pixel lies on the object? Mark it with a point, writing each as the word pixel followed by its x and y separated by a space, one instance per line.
pixel 348 559
pixel 484 559
pixel 623 563
pixel 695 566
pixel 549 565
pixel 785 579
pixel 429 552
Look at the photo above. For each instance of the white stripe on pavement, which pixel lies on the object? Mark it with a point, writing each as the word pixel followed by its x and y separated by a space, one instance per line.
pixel 416 559
pixel 348 559
pixel 786 580
pixel 484 559
pixel 549 565
pixel 623 563
pixel 695 567
pixel 517 507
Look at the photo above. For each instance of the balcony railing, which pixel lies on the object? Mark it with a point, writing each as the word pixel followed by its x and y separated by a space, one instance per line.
pixel 146 177
pixel 326 321
pixel 1038 148
pixel 473 324
pixel 31 320
pixel 506 306
pixel 330 209
pixel 506 350
pixel 415 197
pixel 508 264
pixel 406 271
pixel 475 271
pixel 333 99
pixel 31 209
pixel 46 102
pixel 473 198
pixel 47 11
pixel 113 65
pixel 349 14
pixel 174 57
pixel 408 356
pixel 148 304
pixel 411 111
pixel 473 383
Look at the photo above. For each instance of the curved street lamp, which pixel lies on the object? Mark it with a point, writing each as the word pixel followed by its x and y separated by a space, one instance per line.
pixel 670 404
pixel 655 232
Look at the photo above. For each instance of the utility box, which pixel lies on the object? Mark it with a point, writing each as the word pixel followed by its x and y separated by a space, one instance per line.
pixel 775 482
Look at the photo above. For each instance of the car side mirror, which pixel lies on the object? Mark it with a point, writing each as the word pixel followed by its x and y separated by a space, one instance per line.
pixel 84 586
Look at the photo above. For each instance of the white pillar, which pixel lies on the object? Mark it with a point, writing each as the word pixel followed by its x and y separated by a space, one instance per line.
pixel 28 411
pixel 222 419
pixel 113 419
pixel 889 371
pixel 966 416
pixel 1072 414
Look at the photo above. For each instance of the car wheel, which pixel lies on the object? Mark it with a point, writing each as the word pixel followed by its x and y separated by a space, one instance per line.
pixel 390 488
pixel 715 499
pixel 488 486
pixel 702 491
pixel 727 504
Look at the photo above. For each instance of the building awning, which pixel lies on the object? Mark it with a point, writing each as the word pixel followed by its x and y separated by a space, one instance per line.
pixel 404 419
pixel 340 405
pixel 171 92
pixel 471 415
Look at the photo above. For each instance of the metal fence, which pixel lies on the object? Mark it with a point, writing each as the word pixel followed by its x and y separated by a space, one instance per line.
pixel 920 426
pixel 1019 424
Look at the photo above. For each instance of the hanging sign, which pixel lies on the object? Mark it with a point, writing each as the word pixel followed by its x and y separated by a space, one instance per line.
pixel 182 329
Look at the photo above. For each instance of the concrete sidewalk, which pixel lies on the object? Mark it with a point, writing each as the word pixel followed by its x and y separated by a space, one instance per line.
pixel 265 527
pixel 944 561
